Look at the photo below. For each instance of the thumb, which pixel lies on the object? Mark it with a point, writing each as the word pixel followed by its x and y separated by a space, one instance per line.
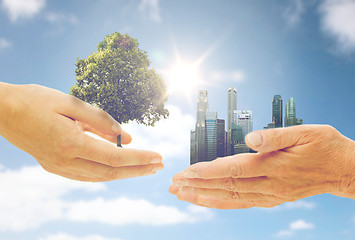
pixel 92 117
pixel 278 138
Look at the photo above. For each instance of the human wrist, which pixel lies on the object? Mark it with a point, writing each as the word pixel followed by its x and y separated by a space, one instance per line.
pixel 346 186
pixel 6 104
pixel 350 191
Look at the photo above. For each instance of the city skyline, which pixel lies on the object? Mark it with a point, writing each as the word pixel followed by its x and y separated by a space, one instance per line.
pixel 210 139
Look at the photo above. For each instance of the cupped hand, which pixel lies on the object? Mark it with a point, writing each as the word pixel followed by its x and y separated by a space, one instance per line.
pixel 50 125
pixel 291 163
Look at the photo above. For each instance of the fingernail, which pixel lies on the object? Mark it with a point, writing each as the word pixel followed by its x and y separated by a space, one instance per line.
pixel 181 183
pixel 156 160
pixel 116 128
pixel 255 139
pixel 191 174
pixel 157 168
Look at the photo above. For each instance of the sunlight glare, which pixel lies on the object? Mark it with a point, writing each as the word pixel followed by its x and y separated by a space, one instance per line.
pixel 183 78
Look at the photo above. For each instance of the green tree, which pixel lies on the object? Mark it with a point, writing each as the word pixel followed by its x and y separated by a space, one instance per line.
pixel 118 80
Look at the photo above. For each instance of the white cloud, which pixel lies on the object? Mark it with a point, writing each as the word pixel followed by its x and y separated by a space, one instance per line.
pixel 4 43
pixel 55 17
pixel 284 233
pixel 64 236
pixel 22 8
pixel 237 76
pixel 32 197
pixel 122 211
pixel 151 7
pixel 300 225
pixel 300 204
pixel 338 22
pixel 292 14
pixel 170 137
pixel 294 226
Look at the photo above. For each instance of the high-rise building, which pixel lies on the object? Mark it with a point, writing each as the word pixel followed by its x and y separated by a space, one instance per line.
pixel 221 138
pixel 232 106
pixel 202 108
pixel 193 152
pixel 277 111
pixel 244 119
pixel 211 136
pixel 236 136
pixel 290 118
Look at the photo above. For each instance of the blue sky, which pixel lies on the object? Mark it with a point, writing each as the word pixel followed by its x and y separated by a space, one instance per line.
pixel 295 48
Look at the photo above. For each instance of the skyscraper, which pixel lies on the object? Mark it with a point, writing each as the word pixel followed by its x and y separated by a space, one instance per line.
pixel 277 111
pixel 244 119
pixel 221 138
pixel 211 136
pixel 232 106
pixel 236 136
pixel 290 118
pixel 202 108
pixel 193 152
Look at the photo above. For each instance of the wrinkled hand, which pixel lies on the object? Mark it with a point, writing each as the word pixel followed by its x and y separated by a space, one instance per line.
pixel 291 163
pixel 50 126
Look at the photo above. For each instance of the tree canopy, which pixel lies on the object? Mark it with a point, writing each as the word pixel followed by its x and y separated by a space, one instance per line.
pixel 117 79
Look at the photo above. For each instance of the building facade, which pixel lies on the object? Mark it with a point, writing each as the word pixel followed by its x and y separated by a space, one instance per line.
pixel 277 114
pixel 211 136
pixel 290 118
pixel 232 106
pixel 193 152
pixel 221 138
pixel 244 119
pixel 200 131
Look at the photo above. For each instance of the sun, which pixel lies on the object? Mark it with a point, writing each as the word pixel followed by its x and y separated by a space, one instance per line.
pixel 183 77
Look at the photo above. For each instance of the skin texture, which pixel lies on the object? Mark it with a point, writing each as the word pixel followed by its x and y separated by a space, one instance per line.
pixel 50 125
pixel 292 163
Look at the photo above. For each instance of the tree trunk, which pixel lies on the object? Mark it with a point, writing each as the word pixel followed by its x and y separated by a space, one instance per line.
pixel 119 141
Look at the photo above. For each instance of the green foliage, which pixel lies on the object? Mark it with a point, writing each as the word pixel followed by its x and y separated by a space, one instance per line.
pixel 118 80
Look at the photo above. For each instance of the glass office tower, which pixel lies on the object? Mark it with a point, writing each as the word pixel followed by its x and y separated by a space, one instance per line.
pixel 221 138
pixel 277 111
pixel 232 106
pixel 290 118
pixel 202 108
pixel 211 136
pixel 244 119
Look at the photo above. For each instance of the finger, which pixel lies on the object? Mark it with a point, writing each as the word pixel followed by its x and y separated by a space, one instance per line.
pixel 237 166
pixel 83 112
pixel 280 138
pixel 211 202
pixel 245 185
pixel 126 138
pixel 228 204
pixel 100 172
pixel 108 154
pixel 173 189
pixel 178 176
pixel 231 195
